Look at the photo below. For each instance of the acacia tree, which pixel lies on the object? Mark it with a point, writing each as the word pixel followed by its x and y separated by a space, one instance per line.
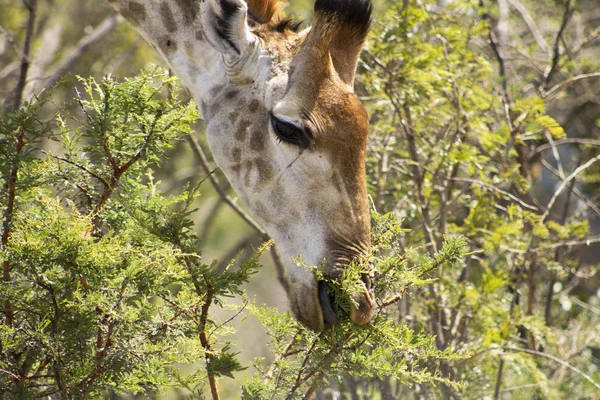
pixel 480 290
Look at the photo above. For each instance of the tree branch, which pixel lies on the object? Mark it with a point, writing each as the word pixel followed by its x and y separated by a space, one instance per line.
pixel 206 343
pixel 85 43
pixel 568 83
pixel 531 25
pixel 31 5
pixel 556 48
pixel 558 360
pixel 11 188
pixel 564 184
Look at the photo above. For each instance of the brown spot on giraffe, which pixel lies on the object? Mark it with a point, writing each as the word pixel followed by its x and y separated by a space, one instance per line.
pixel 265 170
pixel 253 106
pixel 167 18
pixel 232 94
pixel 257 140
pixel 260 207
pixel 236 154
pixel 134 12
pixel 189 48
pixel 242 129
pixel 215 90
pixel 199 35
pixel 189 9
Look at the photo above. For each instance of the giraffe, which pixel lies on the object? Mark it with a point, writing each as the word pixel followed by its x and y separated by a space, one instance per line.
pixel 283 124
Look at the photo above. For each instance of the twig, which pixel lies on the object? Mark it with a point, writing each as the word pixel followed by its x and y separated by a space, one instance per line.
pixel 11 40
pixel 81 167
pixel 313 388
pixel 417 173
pixel 558 360
pixel 31 5
pixel 299 379
pixel 103 343
pixel 531 25
pixel 494 188
pixel 10 187
pixel 8 373
pixel 507 101
pixel 519 276
pixel 567 83
pixel 590 142
pixel 564 185
pixel 206 225
pixel 569 243
pixel 239 247
pixel 556 49
pixel 206 343
pixel 572 187
pixel 396 298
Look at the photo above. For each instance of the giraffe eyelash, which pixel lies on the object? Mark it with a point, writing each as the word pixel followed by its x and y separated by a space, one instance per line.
pixel 290 133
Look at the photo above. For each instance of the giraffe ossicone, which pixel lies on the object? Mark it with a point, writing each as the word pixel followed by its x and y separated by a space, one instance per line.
pixel 283 124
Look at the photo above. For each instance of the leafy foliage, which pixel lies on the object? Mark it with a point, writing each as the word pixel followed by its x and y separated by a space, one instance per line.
pixel 479 291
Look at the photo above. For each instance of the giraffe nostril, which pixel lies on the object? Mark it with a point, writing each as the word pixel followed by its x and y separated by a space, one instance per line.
pixel 328 313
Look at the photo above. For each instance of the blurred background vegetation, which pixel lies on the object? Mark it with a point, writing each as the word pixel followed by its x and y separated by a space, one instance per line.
pixel 480 113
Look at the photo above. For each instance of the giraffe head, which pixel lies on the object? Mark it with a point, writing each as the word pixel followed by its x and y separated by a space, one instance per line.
pixel 284 125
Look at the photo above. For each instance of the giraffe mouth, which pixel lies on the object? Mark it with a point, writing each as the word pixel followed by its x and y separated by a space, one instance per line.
pixel 329 315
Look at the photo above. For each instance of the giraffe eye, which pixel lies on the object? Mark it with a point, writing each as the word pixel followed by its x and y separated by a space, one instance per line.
pixel 290 133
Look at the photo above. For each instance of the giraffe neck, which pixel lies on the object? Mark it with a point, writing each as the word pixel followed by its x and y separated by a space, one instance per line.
pixel 174 29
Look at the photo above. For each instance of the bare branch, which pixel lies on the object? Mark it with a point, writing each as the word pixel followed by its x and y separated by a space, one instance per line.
pixel 531 25
pixel 568 83
pixel 564 184
pixel 590 142
pixel 558 360
pixel 576 191
pixel 31 5
pixel 496 189
pixel 556 49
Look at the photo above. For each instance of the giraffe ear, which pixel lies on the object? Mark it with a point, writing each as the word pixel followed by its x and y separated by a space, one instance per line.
pixel 348 21
pixel 225 25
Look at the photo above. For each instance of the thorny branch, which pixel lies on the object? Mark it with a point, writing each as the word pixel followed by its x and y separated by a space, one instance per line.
pixel 10 189
pixel 204 341
pixel 103 343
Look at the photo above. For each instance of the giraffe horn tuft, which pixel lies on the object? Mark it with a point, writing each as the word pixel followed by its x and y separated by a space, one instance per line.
pixel 265 11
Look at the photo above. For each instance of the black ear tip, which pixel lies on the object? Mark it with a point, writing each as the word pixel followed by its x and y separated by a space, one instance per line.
pixel 356 12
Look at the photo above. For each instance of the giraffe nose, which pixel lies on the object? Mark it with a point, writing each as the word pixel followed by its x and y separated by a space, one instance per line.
pixel 328 313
